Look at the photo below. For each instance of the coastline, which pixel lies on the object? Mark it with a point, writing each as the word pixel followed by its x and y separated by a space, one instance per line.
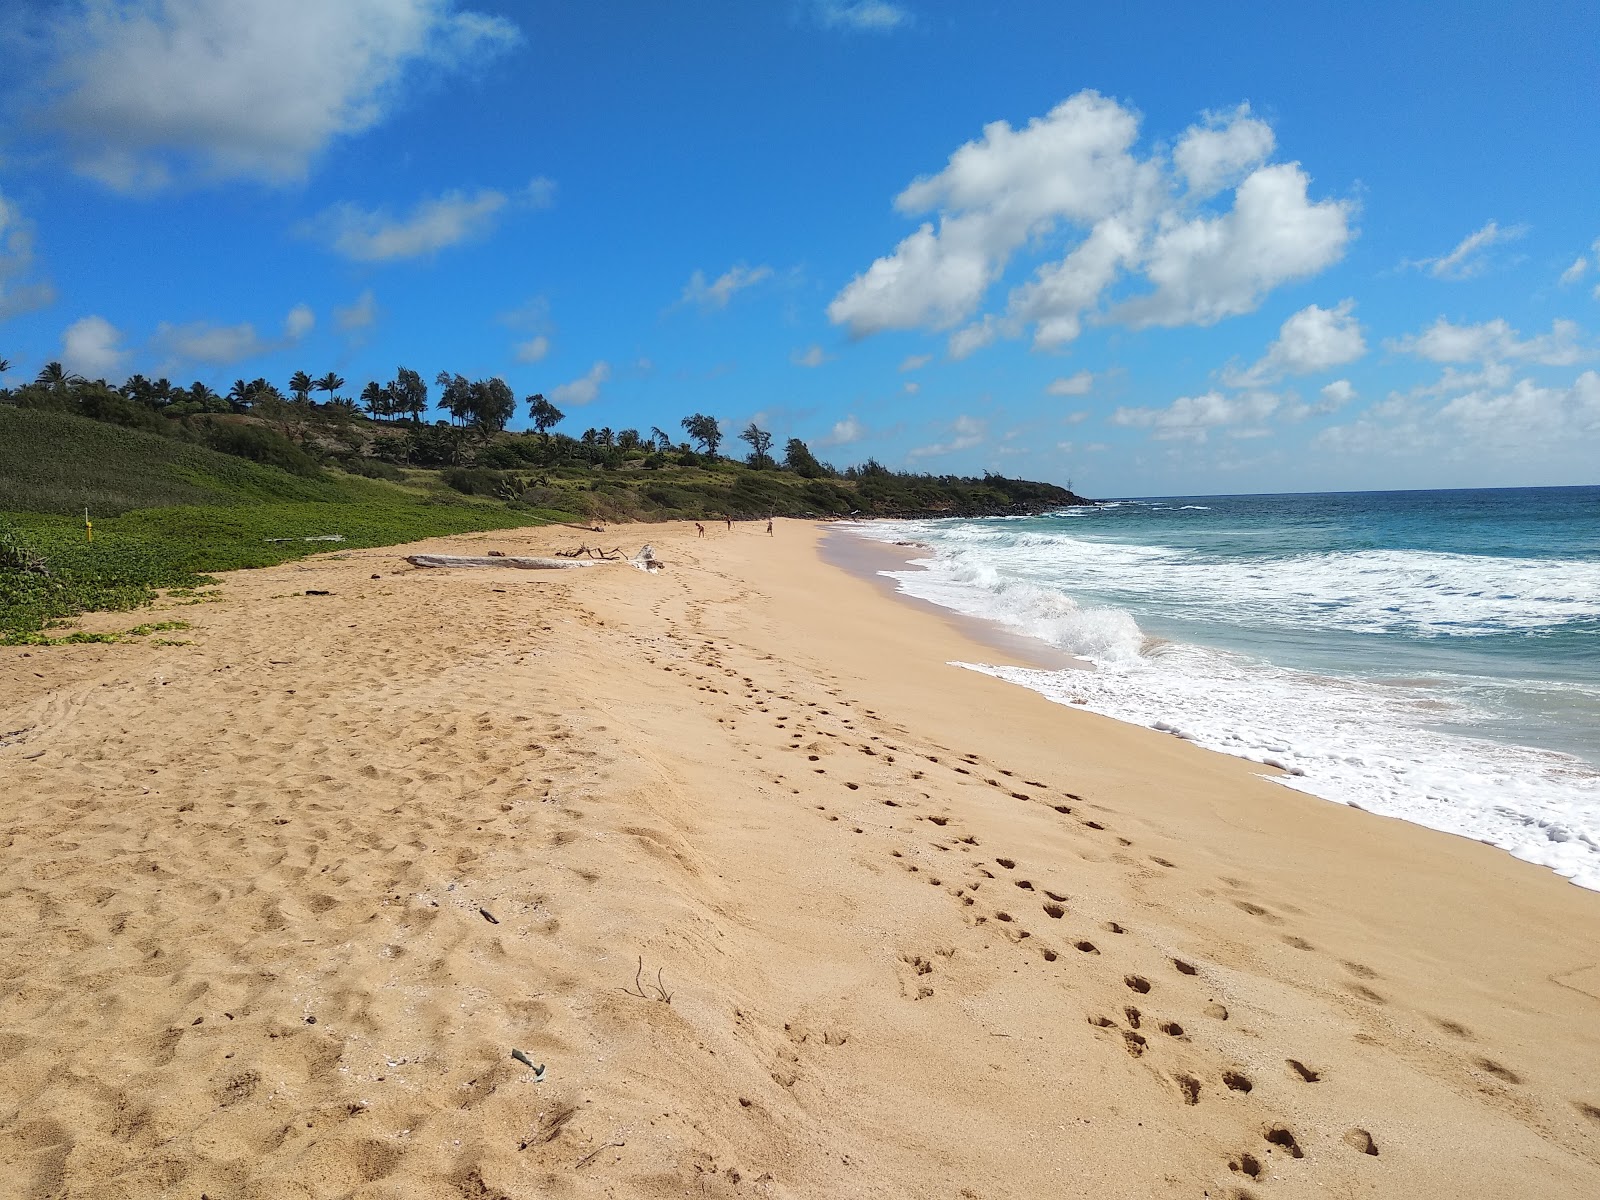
pixel 867 558
pixel 446 813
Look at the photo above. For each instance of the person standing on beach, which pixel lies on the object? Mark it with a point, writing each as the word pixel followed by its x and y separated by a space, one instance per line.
pixel 699 529
pixel 729 520
pixel 769 526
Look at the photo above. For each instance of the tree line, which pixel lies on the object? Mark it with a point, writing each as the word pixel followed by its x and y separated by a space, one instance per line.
pixel 477 408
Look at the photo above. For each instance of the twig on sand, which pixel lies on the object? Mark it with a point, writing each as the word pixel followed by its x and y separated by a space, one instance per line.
pixel 659 987
pixel 599 1150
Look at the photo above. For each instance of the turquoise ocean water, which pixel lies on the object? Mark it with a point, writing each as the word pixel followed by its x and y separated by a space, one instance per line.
pixel 1432 655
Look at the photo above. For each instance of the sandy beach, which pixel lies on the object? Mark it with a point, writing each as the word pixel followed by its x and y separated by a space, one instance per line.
pixel 782 903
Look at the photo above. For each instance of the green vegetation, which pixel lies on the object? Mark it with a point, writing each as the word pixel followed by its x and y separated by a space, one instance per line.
pixel 183 482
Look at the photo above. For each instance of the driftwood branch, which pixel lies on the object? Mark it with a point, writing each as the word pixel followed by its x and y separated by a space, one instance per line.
pixel 467 560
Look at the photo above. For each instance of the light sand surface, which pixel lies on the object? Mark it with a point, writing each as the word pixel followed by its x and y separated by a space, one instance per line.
pixel 924 934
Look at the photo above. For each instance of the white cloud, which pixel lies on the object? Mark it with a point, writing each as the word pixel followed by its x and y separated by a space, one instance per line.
pixel 1467 416
pixel 1191 417
pixel 912 387
pixel 915 362
pixel 812 356
pixel 18 292
pixel 966 432
pixel 1469 258
pixel 1077 167
pixel 91 347
pixel 1076 418
pixel 1313 339
pixel 1215 155
pixel 301 321
pixel 1337 394
pixel 583 390
pixel 1208 268
pixel 533 350
pixel 1072 385
pixel 1528 414
pixel 532 321
pixel 203 342
pixel 844 432
pixel 1494 341
pixel 1580 267
pixel 871 16
pixel 151 92
pixel 222 345
pixel 717 293
pixel 433 224
pixel 363 314
pixel 540 193
pixel 964 342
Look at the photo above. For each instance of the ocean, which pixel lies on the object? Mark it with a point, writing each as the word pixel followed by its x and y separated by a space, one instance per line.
pixel 1428 655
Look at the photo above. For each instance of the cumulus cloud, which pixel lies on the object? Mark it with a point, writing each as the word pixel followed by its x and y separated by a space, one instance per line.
pixel 583 390
pixel 433 224
pixel 1208 268
pixel 1215 154
pixel 964 342
pixel 20 292
pixel 152 92
pixel 361 315
pixel 222 345
pixel 92 347
pixel 811 356
pixel 719 291
pixel 533 350
pixel 870 16
pixel 1141 217
pixel 1191 417
pixel 301 321
pixel 912 387
pixel 1072 385
pixel 1313 339
pixel 1337 394
pixel 1467 415
pixel 203 342
pixel 1580 267
pixel 965 433
pixel 844 432
pixel 1469 257
pixel 915 362
pixel 1495 341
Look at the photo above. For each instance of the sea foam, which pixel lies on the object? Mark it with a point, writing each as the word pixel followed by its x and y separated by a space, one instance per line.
pixel 1402 748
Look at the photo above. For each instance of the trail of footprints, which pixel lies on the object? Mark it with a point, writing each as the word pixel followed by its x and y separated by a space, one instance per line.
pixel 827 732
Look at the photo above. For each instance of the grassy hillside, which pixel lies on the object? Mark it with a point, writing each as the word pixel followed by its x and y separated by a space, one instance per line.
pixel 176 498
pixel 181 512
pixel 59 462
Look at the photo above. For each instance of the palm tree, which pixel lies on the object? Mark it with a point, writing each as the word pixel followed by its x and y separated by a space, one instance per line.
pixel 300 387
pixel 376 398
pixel 55 376
pixel 5 365
pixel 329 383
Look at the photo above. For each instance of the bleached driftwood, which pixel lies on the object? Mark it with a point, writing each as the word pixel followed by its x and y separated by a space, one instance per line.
pixel 645 560
pixel 526 564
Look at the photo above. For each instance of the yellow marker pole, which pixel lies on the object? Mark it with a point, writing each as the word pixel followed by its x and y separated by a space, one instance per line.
pixel 88 527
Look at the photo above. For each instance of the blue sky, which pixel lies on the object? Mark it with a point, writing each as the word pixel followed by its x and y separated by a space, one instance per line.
pixel 1150 248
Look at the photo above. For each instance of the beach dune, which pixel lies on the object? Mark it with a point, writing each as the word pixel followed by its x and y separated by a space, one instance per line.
pixel 782 903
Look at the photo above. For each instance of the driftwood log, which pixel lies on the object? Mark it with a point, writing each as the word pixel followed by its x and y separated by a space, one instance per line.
pixel 526 564
pixel 645 560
